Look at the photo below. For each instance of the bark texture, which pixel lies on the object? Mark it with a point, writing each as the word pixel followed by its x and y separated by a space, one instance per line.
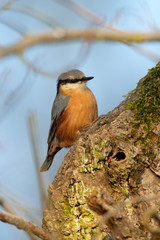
pixel 108 186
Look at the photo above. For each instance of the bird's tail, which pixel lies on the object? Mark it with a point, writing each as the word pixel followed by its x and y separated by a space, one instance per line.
pixel 47 163
pixel 49 159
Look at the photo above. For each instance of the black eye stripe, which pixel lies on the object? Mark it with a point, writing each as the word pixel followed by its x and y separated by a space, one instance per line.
pixel 70 81
pixel 63 82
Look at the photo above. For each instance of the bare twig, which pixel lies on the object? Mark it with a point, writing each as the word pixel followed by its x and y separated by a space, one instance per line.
pixel 6 5
pixel 80 57
pixel 5 206
pixel 35 140
pixel 83 12
pixel 35 13
pixel 100 21
pixel 27 226
pixel 9 210
pixel 60 35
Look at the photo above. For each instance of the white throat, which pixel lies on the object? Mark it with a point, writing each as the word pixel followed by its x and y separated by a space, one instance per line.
pixel 78 85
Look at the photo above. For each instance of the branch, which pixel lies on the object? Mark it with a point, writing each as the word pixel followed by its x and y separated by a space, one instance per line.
pixel 60 35
pixel 33 12
pixel 5 206
pixel 36 146
pixel 9 210
pixel 101 22
pixel 21 223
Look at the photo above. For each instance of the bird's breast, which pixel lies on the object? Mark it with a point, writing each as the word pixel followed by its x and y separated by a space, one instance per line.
pixel 80 111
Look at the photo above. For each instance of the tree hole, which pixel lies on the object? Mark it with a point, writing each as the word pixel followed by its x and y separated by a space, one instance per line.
pixel 120 156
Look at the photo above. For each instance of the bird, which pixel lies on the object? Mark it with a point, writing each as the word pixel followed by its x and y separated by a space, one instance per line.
pixel 74 108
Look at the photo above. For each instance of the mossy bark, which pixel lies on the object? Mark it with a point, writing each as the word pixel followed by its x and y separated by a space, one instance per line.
pixel 108 184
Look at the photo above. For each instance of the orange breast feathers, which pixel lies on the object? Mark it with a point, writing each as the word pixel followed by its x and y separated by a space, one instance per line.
pixel 80 111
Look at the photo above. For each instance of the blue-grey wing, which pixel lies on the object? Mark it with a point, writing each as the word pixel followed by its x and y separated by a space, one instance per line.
pixel 58 107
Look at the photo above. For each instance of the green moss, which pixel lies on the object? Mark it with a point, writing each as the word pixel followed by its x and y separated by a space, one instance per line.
pixel 146 105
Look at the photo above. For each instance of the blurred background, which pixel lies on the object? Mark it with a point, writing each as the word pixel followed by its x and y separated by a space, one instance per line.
pixel 28 84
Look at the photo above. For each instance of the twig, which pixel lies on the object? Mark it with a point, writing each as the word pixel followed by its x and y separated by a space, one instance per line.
pixel 101 22
pixel 35 13
pixel 5 206
pixel 83 12
pixel 9 210
pixel 35 140
pixel 80 57
pixel 59 35
pixel 6 5
pixel 27 226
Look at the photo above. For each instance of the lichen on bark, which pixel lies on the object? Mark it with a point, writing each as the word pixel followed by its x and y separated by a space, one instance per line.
pixel 113 170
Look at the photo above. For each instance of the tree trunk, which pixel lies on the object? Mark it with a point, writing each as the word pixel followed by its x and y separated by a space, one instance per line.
pixel 108 186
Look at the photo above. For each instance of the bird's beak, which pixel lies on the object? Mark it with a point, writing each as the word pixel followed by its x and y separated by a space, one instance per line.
pixel 87 78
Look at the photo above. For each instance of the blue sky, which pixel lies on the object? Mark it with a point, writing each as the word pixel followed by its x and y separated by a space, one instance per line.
pixel 116 69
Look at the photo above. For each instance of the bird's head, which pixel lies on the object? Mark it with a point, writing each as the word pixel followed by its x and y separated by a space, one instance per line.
pixel 73 79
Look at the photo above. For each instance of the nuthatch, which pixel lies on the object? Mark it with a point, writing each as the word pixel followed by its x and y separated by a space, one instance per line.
pixel 74 108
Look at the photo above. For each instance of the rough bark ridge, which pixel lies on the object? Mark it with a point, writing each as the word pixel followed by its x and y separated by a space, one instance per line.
pixel 108 184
